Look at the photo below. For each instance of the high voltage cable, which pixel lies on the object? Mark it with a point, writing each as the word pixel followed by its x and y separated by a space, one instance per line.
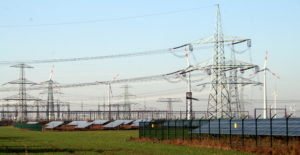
pixel 137 79
pixel 153 52
pixel 128 80
pixel 105 20
pixel 172 50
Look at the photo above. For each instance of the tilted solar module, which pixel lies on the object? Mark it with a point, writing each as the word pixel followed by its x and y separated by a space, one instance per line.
pixel 82 125
pixel 100 122
pixel 117 123
pixel 54 124
pixel 137 122
pixel 127 121
pixel 75 123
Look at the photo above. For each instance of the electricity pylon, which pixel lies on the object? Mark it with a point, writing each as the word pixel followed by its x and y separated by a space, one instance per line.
pixel 170 101
pixel 223 100
pixel 22 97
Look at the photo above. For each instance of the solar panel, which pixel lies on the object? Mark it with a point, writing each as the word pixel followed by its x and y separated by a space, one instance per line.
pixel 75 123
pixel 263 127
pixel 100 122
pixel 137 122
pixel 127 121
pixel 83 125
pixel 117 123
pixel 54 124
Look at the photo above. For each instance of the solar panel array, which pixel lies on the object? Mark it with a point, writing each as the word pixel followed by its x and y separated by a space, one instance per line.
pixel 137 122
pixel 85 124
pixel 75 123
pixel 100 122
pixel 82 125
pixel 278 127
pixel 54 124
pixel 116 123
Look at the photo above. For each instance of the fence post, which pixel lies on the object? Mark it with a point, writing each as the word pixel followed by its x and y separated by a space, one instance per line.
pixel 150 129
pixel 287 128
pixel 243 131
pixel 200 125
pixel 175 129
pixel 219 136
pixel 256 134
pixel 230 131
pixel 143 129
pixel 168 129
pixel 209 127
pixel 183 129
pixel 162 126
pixel 152 115
pixel 190 128
pixel 155 129
pixel 271 129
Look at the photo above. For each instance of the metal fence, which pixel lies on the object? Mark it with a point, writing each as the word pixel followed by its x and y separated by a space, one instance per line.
pixel 262 131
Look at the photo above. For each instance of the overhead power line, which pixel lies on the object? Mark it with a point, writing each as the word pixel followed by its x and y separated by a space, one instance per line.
pixel 150 52
pixel 129 80
pixel 104 20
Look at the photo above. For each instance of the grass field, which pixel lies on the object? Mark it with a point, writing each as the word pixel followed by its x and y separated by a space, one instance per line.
pixel 13 140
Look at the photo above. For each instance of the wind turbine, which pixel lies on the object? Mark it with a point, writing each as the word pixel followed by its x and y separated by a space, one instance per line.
pixel 265 70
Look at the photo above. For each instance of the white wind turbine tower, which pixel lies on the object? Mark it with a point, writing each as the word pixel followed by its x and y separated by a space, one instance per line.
pixel 265 70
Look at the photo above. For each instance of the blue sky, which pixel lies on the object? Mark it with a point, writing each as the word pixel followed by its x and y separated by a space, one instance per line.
pixel 272 26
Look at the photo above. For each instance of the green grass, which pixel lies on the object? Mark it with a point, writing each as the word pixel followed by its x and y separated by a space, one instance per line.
pixel 13 141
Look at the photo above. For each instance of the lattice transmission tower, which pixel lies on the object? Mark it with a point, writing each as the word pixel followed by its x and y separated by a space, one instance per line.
pixel 218 100
pixel 22 97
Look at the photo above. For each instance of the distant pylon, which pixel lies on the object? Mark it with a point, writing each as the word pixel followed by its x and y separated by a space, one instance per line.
pixel 169 102
pixel 50 108
pixel 22 97
pixel 234 96
pixel 127 104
